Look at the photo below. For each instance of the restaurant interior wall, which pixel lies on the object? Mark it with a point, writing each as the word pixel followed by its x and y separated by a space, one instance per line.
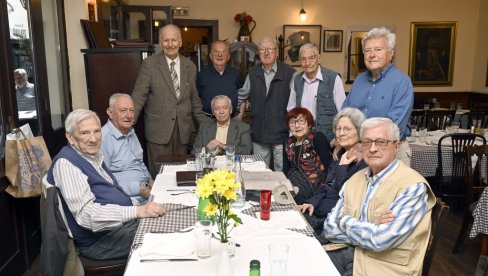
pixel 271 15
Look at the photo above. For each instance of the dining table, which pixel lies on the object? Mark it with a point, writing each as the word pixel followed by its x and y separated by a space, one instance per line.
pixel 163 237
pixel 480 222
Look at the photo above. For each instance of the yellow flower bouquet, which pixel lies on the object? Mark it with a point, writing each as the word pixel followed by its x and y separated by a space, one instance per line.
pixel 219 186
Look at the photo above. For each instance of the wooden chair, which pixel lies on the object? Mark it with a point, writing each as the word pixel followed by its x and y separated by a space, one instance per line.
pixel 417 118
pixel 454 185
pixel 439 210
pixel 476 181
pixel 478 115
pixel 439 119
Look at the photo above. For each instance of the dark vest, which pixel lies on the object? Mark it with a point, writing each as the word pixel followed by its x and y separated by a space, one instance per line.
pixel 105 193
pixel 268 111
pixel 326 109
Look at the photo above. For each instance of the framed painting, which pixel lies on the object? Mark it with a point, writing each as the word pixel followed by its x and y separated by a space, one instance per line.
pixel 432 49
pixel 297 35
pixel 332 41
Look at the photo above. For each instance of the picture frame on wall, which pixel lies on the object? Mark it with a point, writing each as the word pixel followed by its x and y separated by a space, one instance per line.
pixel 297 35
pixel 432 49
pixel 332 40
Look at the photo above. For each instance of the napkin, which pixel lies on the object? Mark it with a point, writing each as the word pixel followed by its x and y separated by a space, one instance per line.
pixel 254 166
pixel 171 245
pixel 174 168
pixel 283 219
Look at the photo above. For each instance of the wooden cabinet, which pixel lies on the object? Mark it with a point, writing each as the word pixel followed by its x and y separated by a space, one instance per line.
pixel 243 56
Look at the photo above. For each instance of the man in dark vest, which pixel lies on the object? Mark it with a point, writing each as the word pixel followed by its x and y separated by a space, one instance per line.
pixel 318 89
pixel 267 87
pixel 100 215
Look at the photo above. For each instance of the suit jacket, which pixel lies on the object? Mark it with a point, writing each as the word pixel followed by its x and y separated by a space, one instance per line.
pixel 154 91
pixel 238 134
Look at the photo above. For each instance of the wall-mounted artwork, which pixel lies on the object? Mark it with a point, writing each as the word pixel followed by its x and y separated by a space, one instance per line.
pixel 432 49
pixel 297 35
pixel 332 41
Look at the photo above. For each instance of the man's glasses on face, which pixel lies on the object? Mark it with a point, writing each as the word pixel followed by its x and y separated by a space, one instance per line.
pixel 300 121
pixel 377 50
pixel 309 59
pixel 269 50
pixel 380 143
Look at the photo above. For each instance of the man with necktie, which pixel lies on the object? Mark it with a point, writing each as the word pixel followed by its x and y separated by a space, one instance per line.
pixel 166 89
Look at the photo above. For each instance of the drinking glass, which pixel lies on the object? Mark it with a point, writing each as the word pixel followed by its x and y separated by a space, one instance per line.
pixel 230 152
pixel 203 234
pixel 265 204
pixel 423 135
pixel 191 164
pixel 278 257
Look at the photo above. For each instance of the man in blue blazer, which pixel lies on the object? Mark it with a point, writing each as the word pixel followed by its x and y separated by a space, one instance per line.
pixel 224 130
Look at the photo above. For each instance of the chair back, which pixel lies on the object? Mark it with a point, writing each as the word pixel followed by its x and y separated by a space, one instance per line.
pixel 454 184
pixel 439 119
pixel 417 117
pixel 478 116
pixel 476 171
pixel 439 210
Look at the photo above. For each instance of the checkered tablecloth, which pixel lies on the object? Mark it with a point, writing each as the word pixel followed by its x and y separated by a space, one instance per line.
pixel 480 215
pixel 171 222
pixel 424 159
pixel 275 207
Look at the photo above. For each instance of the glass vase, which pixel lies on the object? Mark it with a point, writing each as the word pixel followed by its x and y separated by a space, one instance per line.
pixel 224 266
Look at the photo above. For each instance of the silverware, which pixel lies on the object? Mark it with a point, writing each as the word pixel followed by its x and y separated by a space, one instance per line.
pixel 167 260
pixel 178 209
pixel 181 193
pixel 180 190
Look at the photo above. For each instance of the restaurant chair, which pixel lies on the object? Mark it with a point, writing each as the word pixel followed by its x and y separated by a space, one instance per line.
pixel 477 115
pixel 417 117
pixel 439 119
pixel 476 181
pixel 453 185
pixel 75 264
pixel 439 210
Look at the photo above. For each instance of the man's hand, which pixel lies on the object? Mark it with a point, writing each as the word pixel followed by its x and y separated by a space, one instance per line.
pixel 305 206
pixel 346 160
pixel 144 191
pixel 150 210
pixel 384 218
pixel 215 144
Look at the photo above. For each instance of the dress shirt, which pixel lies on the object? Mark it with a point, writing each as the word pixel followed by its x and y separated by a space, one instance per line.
pixel 408 208
pixel 310 88
pixel 221 134
pixel 245 90
pixel 390 96
pixel 74 187
pixel 176 66
pixel 123 156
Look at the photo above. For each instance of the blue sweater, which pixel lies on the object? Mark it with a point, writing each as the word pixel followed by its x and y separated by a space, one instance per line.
pixel 105 193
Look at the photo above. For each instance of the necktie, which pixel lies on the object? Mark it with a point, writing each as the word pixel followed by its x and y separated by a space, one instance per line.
pixel 174 76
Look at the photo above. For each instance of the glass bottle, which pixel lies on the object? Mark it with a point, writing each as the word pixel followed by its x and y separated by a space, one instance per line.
pixel 254 268
pixel 240 192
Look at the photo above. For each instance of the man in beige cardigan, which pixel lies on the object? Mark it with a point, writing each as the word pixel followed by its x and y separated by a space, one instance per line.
pixel 384 211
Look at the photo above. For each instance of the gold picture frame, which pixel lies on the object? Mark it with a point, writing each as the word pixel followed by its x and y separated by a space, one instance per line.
pixel 432 51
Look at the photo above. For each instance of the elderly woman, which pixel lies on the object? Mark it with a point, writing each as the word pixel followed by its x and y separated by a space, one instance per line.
pixel 224 130
pixel 101 216
pixel 306 154
pixel 346 125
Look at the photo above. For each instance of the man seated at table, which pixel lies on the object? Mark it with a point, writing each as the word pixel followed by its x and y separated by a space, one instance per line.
pixel 384 211
pixel 224 130
pixel 122 151
pixel 100 215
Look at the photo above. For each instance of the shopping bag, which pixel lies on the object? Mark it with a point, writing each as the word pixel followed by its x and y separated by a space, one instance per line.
pixel 26 162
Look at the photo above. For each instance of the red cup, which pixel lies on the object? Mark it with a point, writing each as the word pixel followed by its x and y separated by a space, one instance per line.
pixel 265 204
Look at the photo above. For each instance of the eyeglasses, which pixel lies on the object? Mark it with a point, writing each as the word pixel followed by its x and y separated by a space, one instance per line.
pixel 380 143
pixel 310 59
pixel 270 50
pixel 376 50
pixel 346 130
pixel 300 121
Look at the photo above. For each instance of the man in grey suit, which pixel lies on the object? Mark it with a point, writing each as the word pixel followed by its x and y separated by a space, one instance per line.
pixel 224 131
pixel 166 89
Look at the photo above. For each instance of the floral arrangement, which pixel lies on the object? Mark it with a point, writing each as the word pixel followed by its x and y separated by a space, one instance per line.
pixel 219 186
pixel 243 16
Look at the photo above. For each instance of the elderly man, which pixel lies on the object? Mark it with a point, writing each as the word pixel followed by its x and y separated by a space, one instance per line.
pixel 100 215
pixel 383 90
pixel 218 78
pixel 223 131
pixel 384 211
pixel 318 89
pixel 165 88
pixel 122 151
pixel 25 91
pixel 267 87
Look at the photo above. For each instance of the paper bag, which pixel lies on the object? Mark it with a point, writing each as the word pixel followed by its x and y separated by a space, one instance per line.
pixel 26 162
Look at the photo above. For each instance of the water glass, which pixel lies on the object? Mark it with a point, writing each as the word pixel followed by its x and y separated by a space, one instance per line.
pixel 230 152
pixel 203 235
pixel 426 106
pixel 265 204
pixel 423 134
pixel 452 106
pixel 191 164
pixel 278 257
pixel 459 106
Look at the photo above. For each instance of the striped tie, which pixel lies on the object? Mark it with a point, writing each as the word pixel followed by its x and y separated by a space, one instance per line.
pixel 174 76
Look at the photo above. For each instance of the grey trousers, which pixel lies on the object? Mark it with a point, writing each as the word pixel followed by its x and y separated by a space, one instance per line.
pixel 343 259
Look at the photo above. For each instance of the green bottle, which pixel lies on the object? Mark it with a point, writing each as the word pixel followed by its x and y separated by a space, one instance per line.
pixel 255 268
pixel 202 202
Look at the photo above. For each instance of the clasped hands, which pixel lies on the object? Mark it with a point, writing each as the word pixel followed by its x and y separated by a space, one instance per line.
pixel 215 145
